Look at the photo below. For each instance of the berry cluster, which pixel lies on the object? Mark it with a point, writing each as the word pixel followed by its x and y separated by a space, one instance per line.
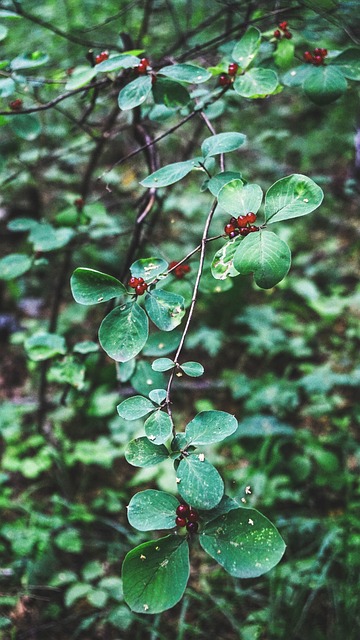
pixel 101 57
pixel 317 57
pixel 16 105
pixel 138 284
pixel 142 66
pixel 241 226
pixel 187 517
pixel 226 79
pixel 179 271
pixel 79 204
pixel 282 31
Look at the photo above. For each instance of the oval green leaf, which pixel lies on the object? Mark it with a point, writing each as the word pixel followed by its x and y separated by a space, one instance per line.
pixel 29 60
pixel 210 426
pixel 217 182
pixel 155 574
pixel 26 126
pixel 134 93
pixel 291 197
pixel 165 309
pixel 162 364
pixel 158 427
pixel 169 93
pixel 122 61
pixel 266 256
pixel 246 49
pixel 134 408
pixel 157 395
pixel 348 62
pixel 192 369
pixel 170 174
pixel 143 453
pixel 199 483
pixel 80 76
pixel 256 83
pixel 324 85
pixel 151 509
pixel 186 73
pixel 43 346
pixel 148 268
pixel 14 265
pixel 89 286
pixel 124 331
pixel 238 199
pixel 222 143
pixel 244 542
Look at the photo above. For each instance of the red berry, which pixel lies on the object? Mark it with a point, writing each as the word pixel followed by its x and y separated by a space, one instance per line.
pixel 234 233
pixel 181 522
pixel 229 228
pixel 16 105
pixel 192 527
pixel 251 217
pixel 224 80
pixel 252 228
pixel 277 34
pixel 140 288
pixel 308 57
pixel 133 282
pixel 182 510
pixel 244 231
pixel 323 52
pixel 79 204
pixel 283 25
pixel 232 69
pixel 101 57
pixel 318 60
pixel 193 516
pixel 142 66
pixel 288 35
pixel 242 221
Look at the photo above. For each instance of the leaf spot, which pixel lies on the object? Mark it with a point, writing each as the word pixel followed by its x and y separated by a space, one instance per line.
pixel 293 73
pixel 178 480
pixel 248 490
pixel 164 563
pixel 250 521
pixel 219 551
pixel 101 298
pixel 243 500
pixel 146 607
pixel 306 200
pixel 201 457
pixel 142 557
pixel 152 437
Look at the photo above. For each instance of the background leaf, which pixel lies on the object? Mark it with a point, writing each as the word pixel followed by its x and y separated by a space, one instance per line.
pixel 26 126
pixel 222 143
pixel 190 73
pixel 170 174
pixel 324 84
pixel 14 265
pixel 348 62
pixel 124 331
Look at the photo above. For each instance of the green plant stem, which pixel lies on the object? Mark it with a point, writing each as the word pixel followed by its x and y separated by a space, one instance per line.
pixel 203 243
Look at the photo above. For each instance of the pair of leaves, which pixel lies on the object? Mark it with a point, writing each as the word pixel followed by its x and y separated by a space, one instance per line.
pixel 158 426
pixel 155 574
pixel 192 369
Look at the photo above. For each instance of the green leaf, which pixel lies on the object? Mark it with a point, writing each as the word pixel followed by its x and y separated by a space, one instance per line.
pixel 161 343
pixel 162 364
pixel 27 126
pixel 89 286
pixel 155 574
pixel 135 407
pixel 124 331
pixel 143 453
pixel 69 540
pixel 29 60
pixel 222 143
pixel 186 73
pixel 145 379
pixel 165 309
pixel 98 598
pixel 135 93
pixel 296 77
pixel 192 369
pixel 148 268
pixel 225 505
pixel 75 592
pixel 158 427
pixel 199 483
pixel 245 50
pixel 43 346
pixel 238 199
pixel 68 371
pixel 284 54
pixel 151 509
pixel 7 87
pixel 3 32
pixel 170 93
pixel 266 256
pixel 14 265
pixel 85 347
pixel 291 197
pixel 80 76
pixel 157 395
pixel 170 174
pixel 46 238
pixel 217 182
pixel 324 84
pixel 256 83
pixel 210 426
pixel 348 62
pixel 121 61
pixel 244 542
pixel 222 265
pixel 22 224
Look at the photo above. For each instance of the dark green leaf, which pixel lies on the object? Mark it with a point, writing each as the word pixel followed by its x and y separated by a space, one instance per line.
pixel 152 509
pixel 256 83
pixel 348 62
pixel 266 256
pixel 121 61
pixel 143 453
pixel 296 77
pixel 80 76
pixel 155 574
pixel 165 309
pixel 170 93
pixel 186 73
pixel 210 426
pixel 217 182
pixel 246 49
pixel 91 287
pixel 192 369
pixel 171 173
pixel 238 199
pixel 148 268
pixel 199 483
pixel 222 143
pixel 26 126
pixel 244 542
pixel 162 343
pixel 145 379
pixel 284 54
pixel 291 197
pixel 158 427
pixel 14 265
pixel 135 407
pixel 134 93
pixel 124 331
pixel 324 84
